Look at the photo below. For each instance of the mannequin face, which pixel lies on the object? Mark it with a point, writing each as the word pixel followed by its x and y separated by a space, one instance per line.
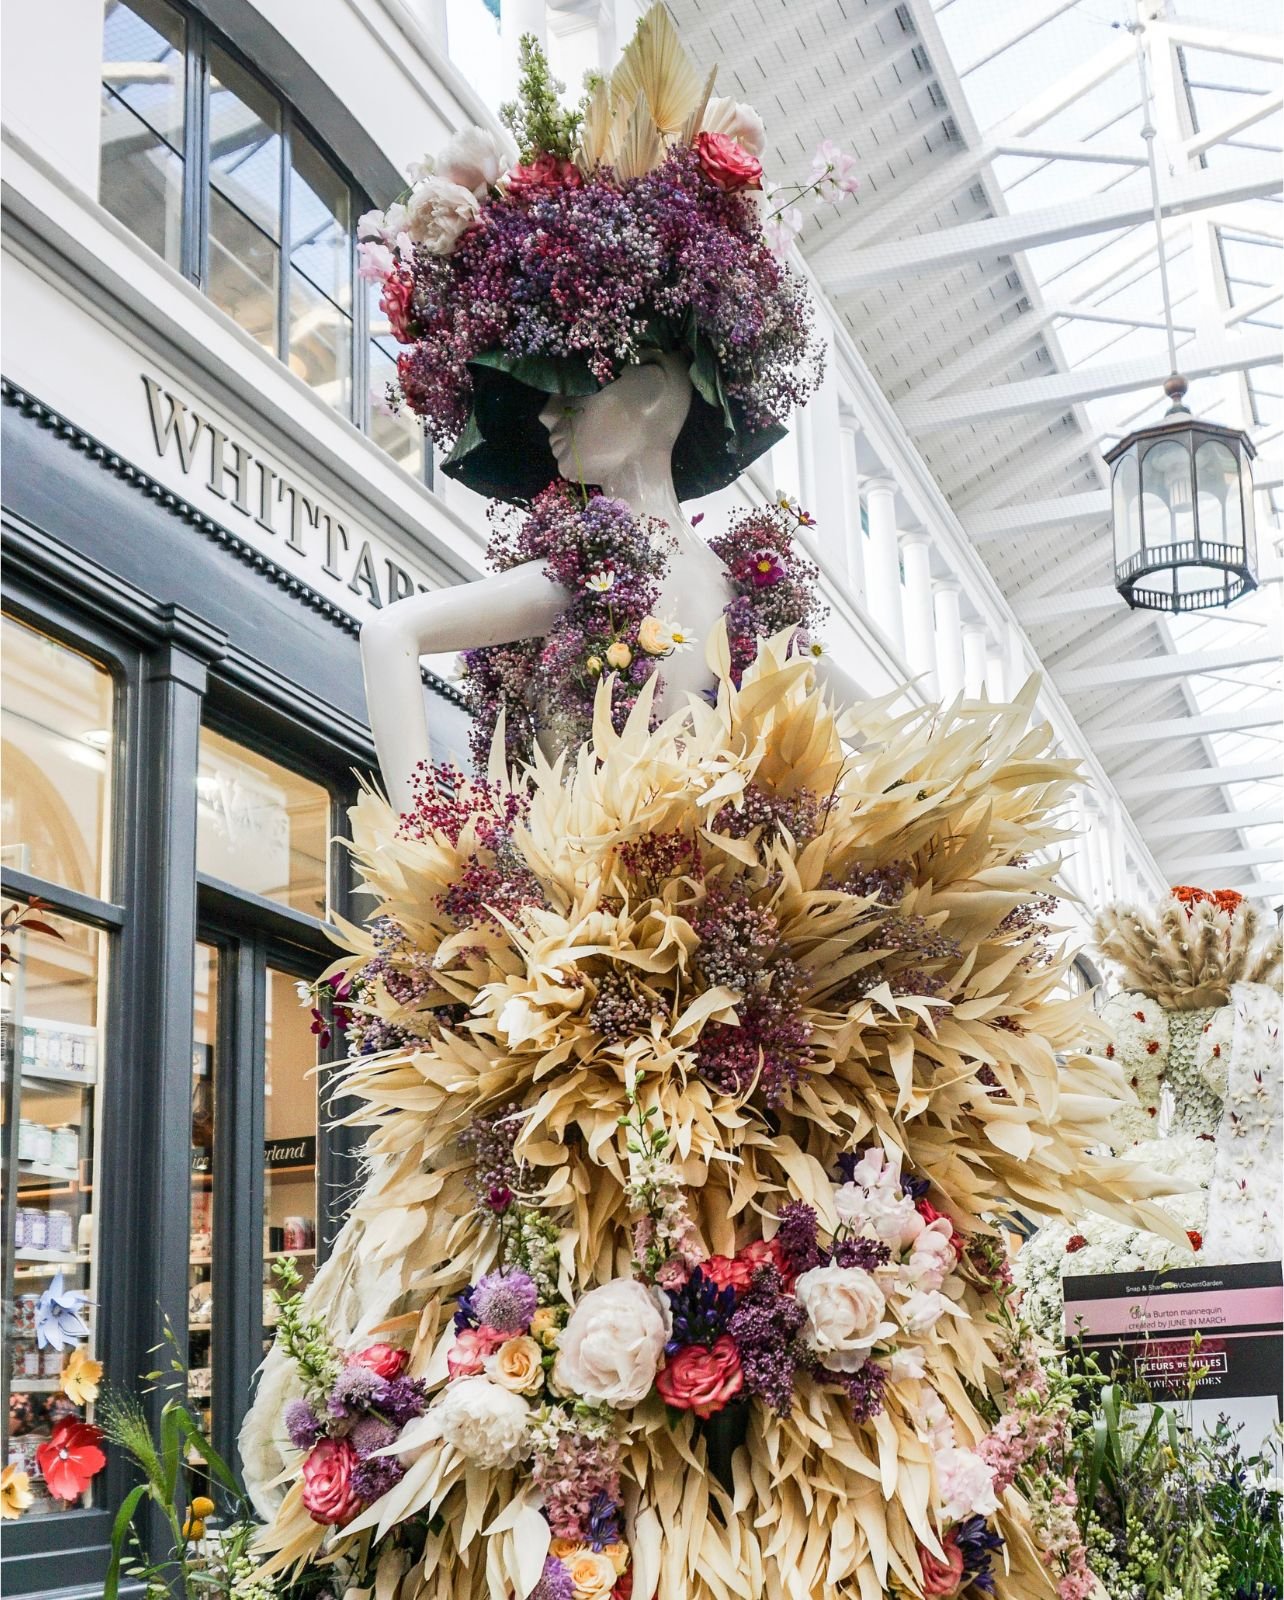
pixel 596 437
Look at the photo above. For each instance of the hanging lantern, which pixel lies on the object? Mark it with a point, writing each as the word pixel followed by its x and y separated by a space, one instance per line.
pixel 1182 504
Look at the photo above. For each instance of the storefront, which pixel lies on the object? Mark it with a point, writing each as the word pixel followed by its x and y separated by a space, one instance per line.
pixel 188 554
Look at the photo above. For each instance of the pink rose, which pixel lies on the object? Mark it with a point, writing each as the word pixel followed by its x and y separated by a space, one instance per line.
pixel 468 1355
pixel 384 1360
pixel 328 1495
pixel 544 175
pixel 395 302
pixel 728 1272
pixel 726 163
pixel 766 1253
pixel 701 1380
pixel 941 1579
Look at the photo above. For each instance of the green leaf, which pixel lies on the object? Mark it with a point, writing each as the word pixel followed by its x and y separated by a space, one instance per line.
pixel 171 1439
pixel 212 1459
pixel 119 1529
pixel 550 374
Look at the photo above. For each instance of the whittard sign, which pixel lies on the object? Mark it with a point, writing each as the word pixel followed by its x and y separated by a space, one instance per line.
pixel 273 503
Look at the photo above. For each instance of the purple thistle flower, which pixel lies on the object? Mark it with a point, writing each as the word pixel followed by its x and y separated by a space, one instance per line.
pixel 302 1425
pixel 373 1478
pixel 371 1434
pixel 353 1393
pixel 505 1301
pixel 554 1582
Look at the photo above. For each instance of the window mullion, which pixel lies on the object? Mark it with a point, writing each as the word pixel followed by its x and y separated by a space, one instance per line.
pixel 195 248
pixel 360 327
pixel 283 277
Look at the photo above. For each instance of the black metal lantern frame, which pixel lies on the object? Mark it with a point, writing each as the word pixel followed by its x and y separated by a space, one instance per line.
pixel 1182 504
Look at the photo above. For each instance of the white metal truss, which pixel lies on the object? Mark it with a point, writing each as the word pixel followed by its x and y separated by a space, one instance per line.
pixel 1109 674
pixel 1140 733
pixel 1163 783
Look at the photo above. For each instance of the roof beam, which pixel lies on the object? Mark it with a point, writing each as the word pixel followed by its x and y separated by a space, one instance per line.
pixel 1062 91
pixel 1199 359
pixel 1211 822
pixel 1199 778
pixel 917 197
pixel 1205 139
pixel 1057 607
pixel 1041 150
pixel 1226 41
pixel 1116 737
pixel 1234 858
pixel 1178 664
pixel 1094 213
pixel 1089 507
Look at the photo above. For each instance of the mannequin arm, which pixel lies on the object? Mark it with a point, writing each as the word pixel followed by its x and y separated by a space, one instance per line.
pixel 521 603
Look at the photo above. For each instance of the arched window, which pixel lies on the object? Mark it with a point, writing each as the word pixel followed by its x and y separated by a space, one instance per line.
pixel 207 164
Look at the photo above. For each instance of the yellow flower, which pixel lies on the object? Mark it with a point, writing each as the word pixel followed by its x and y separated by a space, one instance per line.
pixel 653 636
pixel 202 1506
pixel 517 1365
pixel 193 1528
pixel 594 665
pixel 15 1493
pixel 81 1377
pixel 618 655
pixel 592 1575
pixel 564 1549
pixel 619 1556
pixel 545 1326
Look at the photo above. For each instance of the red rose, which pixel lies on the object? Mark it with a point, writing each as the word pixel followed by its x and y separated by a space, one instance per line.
pixel 942 1579
pixel 1196 1238
pixel 701 1380
pixel 727 163
pixel 384 1360
pixel 394 302
pixel 544 175
pixel 728 1272
pixel 1076 1241
pixel 764 1253
pixel 328 1495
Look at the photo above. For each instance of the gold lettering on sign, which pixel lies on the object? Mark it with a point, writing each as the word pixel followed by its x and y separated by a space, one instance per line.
pixel 314 532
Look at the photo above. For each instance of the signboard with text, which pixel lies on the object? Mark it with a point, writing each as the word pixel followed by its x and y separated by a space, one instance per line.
pixel 1216 1331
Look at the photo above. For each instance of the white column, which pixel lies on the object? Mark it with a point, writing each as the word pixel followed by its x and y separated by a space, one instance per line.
pixel 974 659
pixel 517 17
pixel 883 573
pixel 1017 669
pixel 996 677
pixel 949 637
pixel 820 447
pixel 853 536
pixel 916 596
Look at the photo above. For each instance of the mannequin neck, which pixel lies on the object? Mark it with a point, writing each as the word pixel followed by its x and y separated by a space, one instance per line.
pixel 645 484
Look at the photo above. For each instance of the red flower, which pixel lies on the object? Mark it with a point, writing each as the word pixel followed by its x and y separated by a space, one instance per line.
pixel 384 1360
pixel 395 303
pixel 543 176
pixel 762 1253
pixel 1075 1242
pixel 1140 1016
pixel 929 1214
pixel 729 1272
pixel 328 1495
pixel 701 1380
pixel 1152 1049
pixel 1196 1238
pixel 70 1457
pixel 942 1579
pixel 1217 1050
pixel 1110 1052
pixel 624 1588
pixel 726 163
pixel 1152 1111
pixel 1228 900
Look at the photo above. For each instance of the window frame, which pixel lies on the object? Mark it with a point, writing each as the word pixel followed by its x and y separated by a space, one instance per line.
pixel 199 38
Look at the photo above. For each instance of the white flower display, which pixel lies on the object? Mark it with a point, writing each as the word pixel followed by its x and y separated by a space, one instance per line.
pixel 612 1346
pixel 484 1421
pixel 474 159
pixel 438 213
pixel 845 1309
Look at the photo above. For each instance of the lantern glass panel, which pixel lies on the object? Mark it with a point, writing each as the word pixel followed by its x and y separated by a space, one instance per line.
pixel 1250 513
pixel 1217 484
pixel 1168 503
pixel 1127 509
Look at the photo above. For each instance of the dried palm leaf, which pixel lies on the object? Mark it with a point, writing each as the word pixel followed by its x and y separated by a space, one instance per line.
pixel 695 121
pixel 595 130
pixel 637 146
pixel 655 67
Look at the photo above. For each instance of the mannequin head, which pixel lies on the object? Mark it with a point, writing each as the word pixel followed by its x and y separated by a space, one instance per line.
pixel 622 437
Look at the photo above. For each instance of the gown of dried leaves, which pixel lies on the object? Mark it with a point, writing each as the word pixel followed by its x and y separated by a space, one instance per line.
pixel 948 1047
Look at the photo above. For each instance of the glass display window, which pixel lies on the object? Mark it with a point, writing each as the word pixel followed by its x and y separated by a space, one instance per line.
pixel 52 999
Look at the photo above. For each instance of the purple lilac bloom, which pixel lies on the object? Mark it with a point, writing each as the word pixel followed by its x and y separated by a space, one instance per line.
pixel 400 1400
pixel 700 1311
pixel 866 1253
pixel 302 1425
pixel 766 1328
pixel 864 1388
pixel 554 1583
pixel 577 1475
pixel 978 1543
pixel 353 1393
pixel 373 1478
pixel 505 1301
pixel 796 1239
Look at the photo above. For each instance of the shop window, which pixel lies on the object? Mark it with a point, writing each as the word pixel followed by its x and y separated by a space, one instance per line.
pixel 210 167
pixel 51 1005
pixel 260 826
pixel 55 783
pixel 290 1121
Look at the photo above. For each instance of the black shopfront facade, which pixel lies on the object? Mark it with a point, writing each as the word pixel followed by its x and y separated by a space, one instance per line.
pixel 184 729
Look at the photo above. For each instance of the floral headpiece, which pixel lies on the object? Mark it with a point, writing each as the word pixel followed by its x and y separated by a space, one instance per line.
pixel 628 226
pixel 1191 950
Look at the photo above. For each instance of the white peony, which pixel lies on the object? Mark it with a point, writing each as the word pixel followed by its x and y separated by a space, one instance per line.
pixel 438 213
pixel 474 160
pixel 738 121
pixel 965 1485
pixel 611 1348
pixel 484 1421
pixel 844 1307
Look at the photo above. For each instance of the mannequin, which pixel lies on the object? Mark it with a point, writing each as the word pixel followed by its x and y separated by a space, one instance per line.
pixel 621 438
